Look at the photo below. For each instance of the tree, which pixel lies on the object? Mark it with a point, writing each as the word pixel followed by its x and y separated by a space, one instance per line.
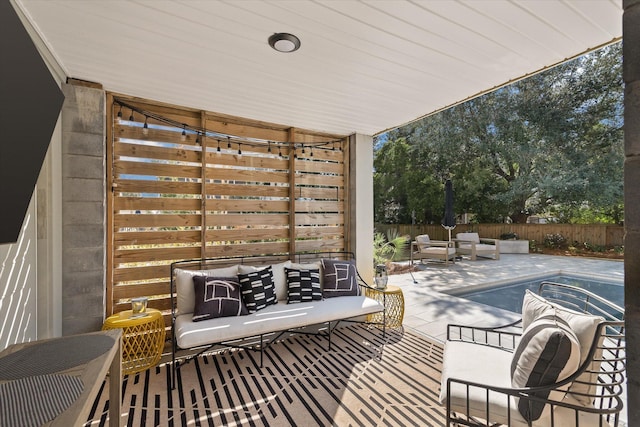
pixel 549 143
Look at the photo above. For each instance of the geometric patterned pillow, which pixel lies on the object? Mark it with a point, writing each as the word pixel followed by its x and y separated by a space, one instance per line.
pixel 340 278
pixel 303 285
pixel 548 352
pixel 217 297
pixel 258 290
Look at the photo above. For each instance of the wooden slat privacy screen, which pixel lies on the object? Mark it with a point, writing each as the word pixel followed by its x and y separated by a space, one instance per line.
pixel 267 189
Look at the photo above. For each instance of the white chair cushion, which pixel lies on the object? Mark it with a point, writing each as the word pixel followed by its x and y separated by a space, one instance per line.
pixel 423 239
pixel 470 237
pixel 488 366
pixel 438 250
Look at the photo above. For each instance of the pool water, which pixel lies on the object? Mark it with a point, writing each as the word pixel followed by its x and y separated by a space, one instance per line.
pixel 509 296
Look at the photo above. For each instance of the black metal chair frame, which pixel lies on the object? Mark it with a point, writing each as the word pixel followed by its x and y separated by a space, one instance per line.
pixel 608 348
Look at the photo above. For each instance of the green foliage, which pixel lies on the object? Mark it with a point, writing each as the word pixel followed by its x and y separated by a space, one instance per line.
pixel 555 241
pixel 551 144
pixel 391 247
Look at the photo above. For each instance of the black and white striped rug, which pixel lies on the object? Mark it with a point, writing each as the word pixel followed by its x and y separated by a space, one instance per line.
pixel 364 380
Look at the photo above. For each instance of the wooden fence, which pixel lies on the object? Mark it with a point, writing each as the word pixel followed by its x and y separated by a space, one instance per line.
pixel 193 184
pixel 594 234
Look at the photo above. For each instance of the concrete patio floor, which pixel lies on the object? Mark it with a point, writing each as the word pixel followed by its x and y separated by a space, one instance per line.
pixel 428 308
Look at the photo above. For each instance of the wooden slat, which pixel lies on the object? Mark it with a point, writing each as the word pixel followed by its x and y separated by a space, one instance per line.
pixel 146 289
pixel 320 245
pixel 143 220
pixel 319 167
pixel 156 237
pixel 230 174
pixel 319 206
pixel 157 203
pixel 247 249
pixel 246 205
pixel 320 232
pixel 158 153
pixel 128 274
pixel 159 187
pixel 156 169
pixel 247 160
pixel 156 135
pixel 319 219
pixel 234 220
pixel 217 189
pixel 247 234
pixel 328 193
pixel 320 180
pixel 155 254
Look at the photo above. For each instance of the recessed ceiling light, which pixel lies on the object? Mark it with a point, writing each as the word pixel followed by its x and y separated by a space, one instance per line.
pixel 284 42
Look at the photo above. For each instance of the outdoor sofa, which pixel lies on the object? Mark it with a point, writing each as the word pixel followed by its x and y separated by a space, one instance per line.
pixel 225 301
pixel 424 248
pixel 562 364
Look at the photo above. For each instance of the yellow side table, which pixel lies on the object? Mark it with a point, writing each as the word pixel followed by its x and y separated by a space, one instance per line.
pixel 142 338
pixel 393 300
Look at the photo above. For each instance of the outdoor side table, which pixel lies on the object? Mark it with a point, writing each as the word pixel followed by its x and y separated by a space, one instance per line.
pixel 142 338
pixel 393 300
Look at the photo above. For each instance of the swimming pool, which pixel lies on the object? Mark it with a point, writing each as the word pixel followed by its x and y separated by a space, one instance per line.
pixel 509 296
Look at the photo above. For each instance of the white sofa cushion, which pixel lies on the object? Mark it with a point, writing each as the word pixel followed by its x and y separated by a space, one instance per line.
pixel 273 318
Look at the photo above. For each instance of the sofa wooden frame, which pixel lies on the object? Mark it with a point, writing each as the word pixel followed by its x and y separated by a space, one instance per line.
pixel 258 342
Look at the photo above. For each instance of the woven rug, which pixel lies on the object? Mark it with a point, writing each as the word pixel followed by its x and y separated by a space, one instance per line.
pixel 364 380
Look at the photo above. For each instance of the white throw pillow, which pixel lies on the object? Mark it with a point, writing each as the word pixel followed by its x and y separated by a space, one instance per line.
pixel 547 353
pixel 583 325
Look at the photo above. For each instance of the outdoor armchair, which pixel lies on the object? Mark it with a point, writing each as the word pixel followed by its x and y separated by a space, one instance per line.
pixel 425 248
pixel 564 366
pixel 473 245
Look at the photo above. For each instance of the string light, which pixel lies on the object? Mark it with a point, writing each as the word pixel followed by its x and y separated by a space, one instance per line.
pixel 201 133
pixel 239 151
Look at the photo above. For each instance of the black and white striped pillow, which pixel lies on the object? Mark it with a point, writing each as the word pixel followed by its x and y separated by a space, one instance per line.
pixel 303 285
pixel 258 290
pixel 548 352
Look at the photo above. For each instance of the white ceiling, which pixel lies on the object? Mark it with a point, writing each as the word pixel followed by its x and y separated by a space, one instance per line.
pixel 364 66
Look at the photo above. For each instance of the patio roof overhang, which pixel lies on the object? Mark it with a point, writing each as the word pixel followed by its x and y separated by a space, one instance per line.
pixel 363 67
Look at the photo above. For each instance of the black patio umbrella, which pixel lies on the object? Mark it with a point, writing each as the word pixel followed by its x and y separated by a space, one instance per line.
pixel 449 220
